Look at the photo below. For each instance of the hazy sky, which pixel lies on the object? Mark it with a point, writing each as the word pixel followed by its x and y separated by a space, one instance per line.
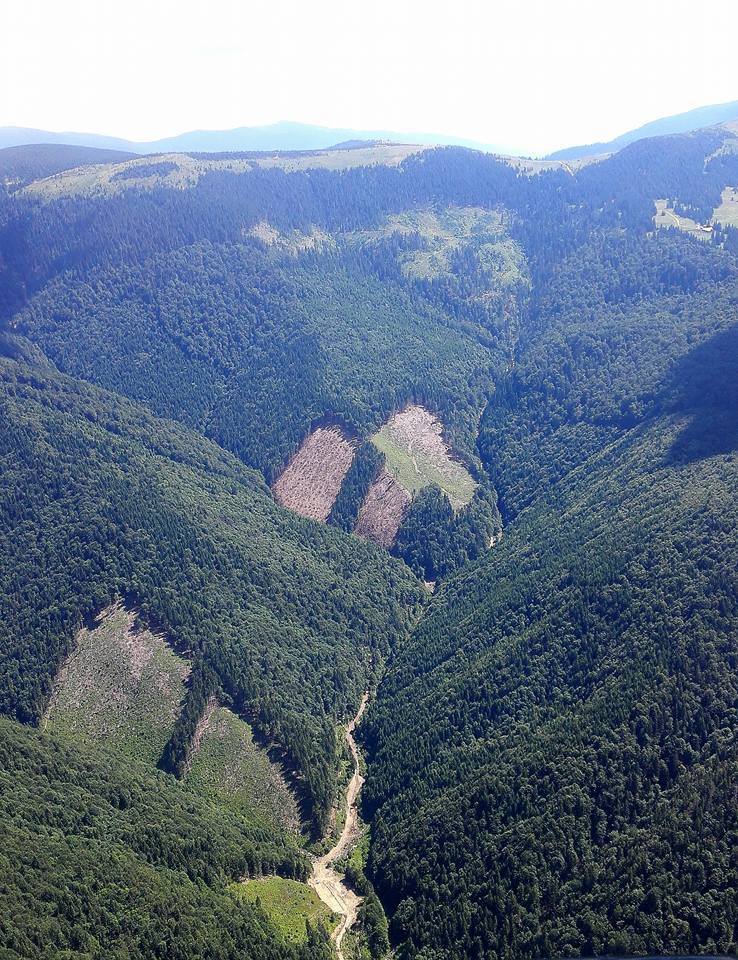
pixel 533 74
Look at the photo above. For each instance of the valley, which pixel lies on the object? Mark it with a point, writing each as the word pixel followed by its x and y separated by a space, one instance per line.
pixel 263 420
pixel 326 880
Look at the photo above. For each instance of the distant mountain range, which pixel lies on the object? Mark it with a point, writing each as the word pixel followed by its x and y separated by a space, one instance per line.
pixel 288 135
pixel 678 123
pixel 285 135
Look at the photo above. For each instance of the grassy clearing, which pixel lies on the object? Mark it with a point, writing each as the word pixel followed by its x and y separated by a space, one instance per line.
pixel 122 687
pixel 230 766
pixel 417 455
pixel 665 218
pixel 380 154
pixel 180 171
pixel 288 904
pixel 447 230
pixel 531 167
pixel 727 213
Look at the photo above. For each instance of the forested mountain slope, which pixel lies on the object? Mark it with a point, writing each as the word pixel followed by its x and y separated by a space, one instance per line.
pixel 102 858
pixel 551 756
pixel 290 619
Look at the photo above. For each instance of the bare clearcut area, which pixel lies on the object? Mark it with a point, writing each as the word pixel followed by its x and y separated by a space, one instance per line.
pixel 227 763
pixel 311 480
pixel 121 687
pixel 383 510
pixel 417 455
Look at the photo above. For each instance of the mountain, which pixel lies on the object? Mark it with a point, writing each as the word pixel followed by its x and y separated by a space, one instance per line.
pixel 279 430
pixel 678 123
pixel 24 164
pixel 285 135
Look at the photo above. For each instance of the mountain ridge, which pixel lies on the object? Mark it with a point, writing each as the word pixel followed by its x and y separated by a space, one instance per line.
pixel 283 135
pixel 686 122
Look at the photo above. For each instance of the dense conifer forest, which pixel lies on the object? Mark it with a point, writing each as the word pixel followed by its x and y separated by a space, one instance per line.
pixel 551 746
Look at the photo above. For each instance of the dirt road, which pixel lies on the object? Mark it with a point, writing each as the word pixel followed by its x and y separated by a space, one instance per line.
pixel 327 882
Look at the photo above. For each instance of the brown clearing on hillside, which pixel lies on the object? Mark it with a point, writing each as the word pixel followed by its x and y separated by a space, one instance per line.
pixel 311 480
pixel 383 511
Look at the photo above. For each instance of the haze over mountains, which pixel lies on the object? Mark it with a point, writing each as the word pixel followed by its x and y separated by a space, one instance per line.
pixel 285 135
pixel 677 123
pixel 288 135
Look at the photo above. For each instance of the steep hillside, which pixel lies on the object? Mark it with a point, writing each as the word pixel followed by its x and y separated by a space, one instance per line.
pixel 311 481
pixel 550 755
pixel 289 619
pixel 553 755
pixel 102 858
pixel 229 765
pixel 122 686
pixel 542 749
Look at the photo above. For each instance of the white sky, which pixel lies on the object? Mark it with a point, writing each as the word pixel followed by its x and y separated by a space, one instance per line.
pixel 534 74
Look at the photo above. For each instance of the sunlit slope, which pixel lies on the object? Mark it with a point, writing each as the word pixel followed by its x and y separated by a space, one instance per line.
pixel 103 857
pixel 559 724
pixel 121 687
pixel 101 499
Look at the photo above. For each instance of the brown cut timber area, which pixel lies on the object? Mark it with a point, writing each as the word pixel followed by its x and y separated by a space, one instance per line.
pixel 311 480
pixel 383 510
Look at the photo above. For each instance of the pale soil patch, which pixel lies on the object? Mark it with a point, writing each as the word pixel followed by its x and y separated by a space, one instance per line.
pixel 444 232
pixel 311 481
pixel 180 171
pixel 122 686
pixel 382 511
pixel 418 456
pixel 226 762
pixel 379 154
pixel 531 167
pixel 294 242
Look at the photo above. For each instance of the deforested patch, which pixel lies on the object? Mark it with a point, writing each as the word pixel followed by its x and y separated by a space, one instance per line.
pixel 122 686
pixel 227 763
pixel 417 455
pixel 383 510
pixel 312 479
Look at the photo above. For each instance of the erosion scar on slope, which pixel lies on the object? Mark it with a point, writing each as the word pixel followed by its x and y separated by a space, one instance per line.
pixel 311 480
pixel 327 882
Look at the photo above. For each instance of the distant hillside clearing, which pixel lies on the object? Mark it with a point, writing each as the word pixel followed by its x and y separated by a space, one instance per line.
pixel 418 456
pixel 228 764
pixel 311 480
pixel 383 510
pixel 122 687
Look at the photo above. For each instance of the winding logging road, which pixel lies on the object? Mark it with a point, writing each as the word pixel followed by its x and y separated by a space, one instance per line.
pixel 327 882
